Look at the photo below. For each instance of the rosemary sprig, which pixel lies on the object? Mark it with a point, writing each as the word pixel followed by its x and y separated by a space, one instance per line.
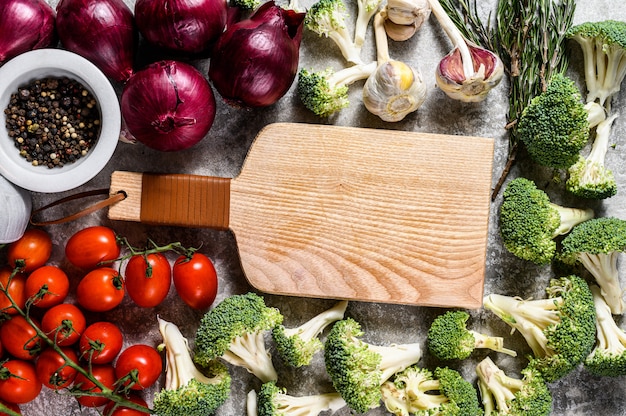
pixel 529 36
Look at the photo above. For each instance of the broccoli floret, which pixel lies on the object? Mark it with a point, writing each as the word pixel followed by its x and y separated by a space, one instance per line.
pixel 366 10
pixel 504 395
pixel 235 331
pixel 357 369
pixel 328 18
pixel 449 339
pixel 604 53
pixel 245 4
pixel 417 391
pixel 297 345
pixel 596 244
pixel 529 221
pixel 560 329
pixel 187 390
pixel 326 92
pixel 554 126
pixel 589 177
pixel 608 358
pixel 274 401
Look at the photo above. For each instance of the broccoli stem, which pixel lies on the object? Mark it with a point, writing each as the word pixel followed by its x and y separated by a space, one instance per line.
pixel 492 343
pixel 502 388
pixel 603 267
pixel 382 42
pixel 570 217
pixel 313 327
pixel 309 405
pixel 249 351
pixel 431 396
pixel 601 142
pixel 395 358
pixel 367 9
pixel 595 114
pixel 351 74
pixel 610 337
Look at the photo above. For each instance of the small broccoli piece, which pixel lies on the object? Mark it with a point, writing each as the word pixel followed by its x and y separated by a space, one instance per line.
pixel 449 339
pixel 366 10
pixel 608 358
pixel 504 395
pixel 187 390
pixel 417 391
pixel 560 329
pixel 274 401
pixel 529 221
pixel 245 4
pixel 235 331
pixel 326 92
pixel 597 244
pixel 554 126
pixel 328 18
pixel 589 177
pixel 298 345
pixel 357 369
pixel 604 53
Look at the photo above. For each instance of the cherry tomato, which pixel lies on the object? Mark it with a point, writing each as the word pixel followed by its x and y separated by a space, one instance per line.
pixel 112 410
pixel 50 281
pixel 148 279
pixel 141 363
pixel 100 343
pixel 52 369
pixel 11 406
pixel 92 245
pixel 15 290
pixel 18 381
pixel 64 324
pixel 105 374
pixel 20 339
pixel 34 247
pixel 100 290
pixel 195 280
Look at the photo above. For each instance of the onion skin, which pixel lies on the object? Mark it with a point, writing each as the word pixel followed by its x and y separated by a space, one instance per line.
pixel 168 106
pixel 190 26
pixel 255 61
pixel 102 31
pixel 25 25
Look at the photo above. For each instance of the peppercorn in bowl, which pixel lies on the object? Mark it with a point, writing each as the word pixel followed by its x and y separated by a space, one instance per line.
pixel 61 120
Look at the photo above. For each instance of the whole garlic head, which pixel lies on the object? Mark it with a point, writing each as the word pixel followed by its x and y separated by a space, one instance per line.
pixel 394 91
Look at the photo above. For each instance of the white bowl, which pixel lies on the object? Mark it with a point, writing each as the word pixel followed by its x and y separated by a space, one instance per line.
pixel 44 63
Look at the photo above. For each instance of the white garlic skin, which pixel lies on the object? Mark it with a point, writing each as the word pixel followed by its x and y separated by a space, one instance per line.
pixel 394 91
pixel 408 12
pixel 15 210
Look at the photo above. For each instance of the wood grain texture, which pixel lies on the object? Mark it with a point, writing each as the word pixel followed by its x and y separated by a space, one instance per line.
pixel 364 214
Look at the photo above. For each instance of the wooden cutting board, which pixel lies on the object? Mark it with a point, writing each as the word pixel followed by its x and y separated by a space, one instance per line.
pixel 342 213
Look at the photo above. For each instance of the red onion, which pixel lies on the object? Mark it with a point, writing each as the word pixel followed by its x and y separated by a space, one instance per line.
pixel 168 105
pixel 181 25
pixel 102 31
pixel 25 25
pixel 255 61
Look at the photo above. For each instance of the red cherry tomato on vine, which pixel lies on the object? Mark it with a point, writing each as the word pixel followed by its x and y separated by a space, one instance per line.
pixel 19 383
pixel 52 369
pixel 100 343
pixel 142 360
pixel 100 290
pixel 11 406
pixel 20 339
pixel 34 247
pixel 195 280
pixel 92 245
pixel 105 374
pixel 148 279
pixel 111 410
pixel 15 290
pixel 54 283
pixel 64 324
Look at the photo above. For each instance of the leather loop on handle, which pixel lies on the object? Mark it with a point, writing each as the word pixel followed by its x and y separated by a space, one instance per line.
pixel 112 199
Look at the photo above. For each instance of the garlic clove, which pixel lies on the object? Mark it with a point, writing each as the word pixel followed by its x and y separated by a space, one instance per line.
pixel 16 205
pixel 399 33
pixel 408 12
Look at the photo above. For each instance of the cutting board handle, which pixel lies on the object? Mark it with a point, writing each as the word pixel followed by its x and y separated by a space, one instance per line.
pixel 172 199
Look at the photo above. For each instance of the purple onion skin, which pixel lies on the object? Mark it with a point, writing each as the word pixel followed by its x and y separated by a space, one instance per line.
pixel 255 61
pixel 102 31
pixel 189 26
pixel 25 25
pixel 168 105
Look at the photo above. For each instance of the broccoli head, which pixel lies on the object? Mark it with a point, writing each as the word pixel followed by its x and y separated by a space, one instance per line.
pixel 608 358
pixel 235 331
pixel 596 244
pixel 187 390
pixel 357 369
pixel 529 221
pixel 554 126
pixel 559 329
pixel 297 345
pixel 418 391
pixel 504 395
pixel 449 339
pixel 274 401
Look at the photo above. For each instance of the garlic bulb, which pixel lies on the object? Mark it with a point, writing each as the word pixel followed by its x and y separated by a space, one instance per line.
pixel 404 17
pixel 15 205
